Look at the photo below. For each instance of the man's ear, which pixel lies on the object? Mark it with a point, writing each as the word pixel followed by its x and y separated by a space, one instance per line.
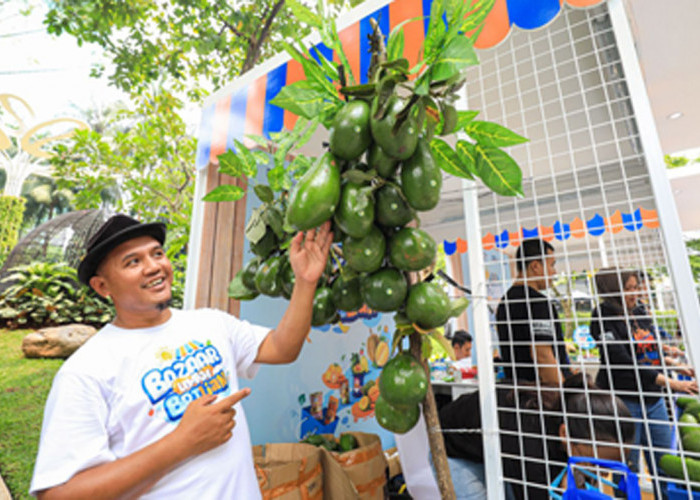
pixel 534 268
pixel 99 284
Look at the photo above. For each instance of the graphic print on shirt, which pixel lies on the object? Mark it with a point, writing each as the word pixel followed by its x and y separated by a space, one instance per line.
pixel 647 350
pixel 188 373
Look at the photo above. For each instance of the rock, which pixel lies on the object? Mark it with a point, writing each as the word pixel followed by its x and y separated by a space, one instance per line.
pixel 56 342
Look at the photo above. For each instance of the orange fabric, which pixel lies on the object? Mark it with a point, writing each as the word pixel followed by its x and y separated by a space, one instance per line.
pixel 461 245
pixel 350 38
pixel 496 26
pixel 614 222
pixel 356 457
pixel 578 228
pixel 295 73
pixel 255 109
pixel 515 237
pixel 220 128
pixel 399 11
pixel 489 241
pixel 650 218
pixel 547 233
pixel 584 3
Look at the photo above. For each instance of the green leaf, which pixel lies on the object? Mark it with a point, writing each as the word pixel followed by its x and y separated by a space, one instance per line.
pixel 225 193
pixel 300 165
pixel 395 45
pixel 439 337
pixel 328 67
pixel 237 290
pixel 315 75
pixel 278 179
pixel 479 11
pixel 255 228
pixel 357 176
pixel 464 117
pixel 300 99
pixel 458 306
pixel 229 164
pixel 493 135
pixel 248 163
pixel 499 171
pixel 436 31
pixel 426 347
pixel 259 140
pixel 466 152
pixel 448 117
pixel 304 14
pixel 364 90
pixel 264 193
pixel 448 160
pixel 456 56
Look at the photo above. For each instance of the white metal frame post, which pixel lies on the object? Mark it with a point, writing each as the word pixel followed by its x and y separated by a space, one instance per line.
pixel 484 346
pixel 669 221
pixel 195 246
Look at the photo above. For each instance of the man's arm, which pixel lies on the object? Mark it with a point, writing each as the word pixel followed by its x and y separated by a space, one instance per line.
pixel 204 426
pixel 308 255
pixel 546 364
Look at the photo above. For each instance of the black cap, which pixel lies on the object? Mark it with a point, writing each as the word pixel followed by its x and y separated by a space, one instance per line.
pixel 118 229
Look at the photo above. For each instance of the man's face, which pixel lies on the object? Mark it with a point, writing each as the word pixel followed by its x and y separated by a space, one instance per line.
pixel 463 351
pixel 542 272
pixel 137 275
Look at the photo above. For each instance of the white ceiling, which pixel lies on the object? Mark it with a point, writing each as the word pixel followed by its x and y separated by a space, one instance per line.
pixel 667 40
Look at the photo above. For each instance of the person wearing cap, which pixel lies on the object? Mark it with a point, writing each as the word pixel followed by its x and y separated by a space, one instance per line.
pixel 150 406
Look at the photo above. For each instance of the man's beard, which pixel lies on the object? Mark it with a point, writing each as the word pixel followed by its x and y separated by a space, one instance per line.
pixel 162 306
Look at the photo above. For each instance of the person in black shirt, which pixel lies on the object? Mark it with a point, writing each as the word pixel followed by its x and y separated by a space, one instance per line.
pixel 531 341
pixel 534 425
pixel 625 366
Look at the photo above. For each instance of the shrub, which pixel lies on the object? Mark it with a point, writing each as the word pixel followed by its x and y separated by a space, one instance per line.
pixel 48 294
pixel 12 209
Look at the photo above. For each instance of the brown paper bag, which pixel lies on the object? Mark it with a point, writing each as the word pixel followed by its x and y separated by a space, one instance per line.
pixel 365 466
pixel 289 471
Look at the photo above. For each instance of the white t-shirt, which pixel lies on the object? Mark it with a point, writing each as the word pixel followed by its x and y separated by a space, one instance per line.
pixel 125 389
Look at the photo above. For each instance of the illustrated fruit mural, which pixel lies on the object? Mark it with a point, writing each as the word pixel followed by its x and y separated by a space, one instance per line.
pixel 383 166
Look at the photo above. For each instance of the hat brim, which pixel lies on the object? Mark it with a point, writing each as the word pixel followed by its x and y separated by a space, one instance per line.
pixel 88 266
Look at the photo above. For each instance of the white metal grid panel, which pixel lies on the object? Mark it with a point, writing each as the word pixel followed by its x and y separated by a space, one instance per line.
pixel 563 87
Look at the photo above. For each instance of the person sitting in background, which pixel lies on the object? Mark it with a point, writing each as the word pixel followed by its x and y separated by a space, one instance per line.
pixel 531 340
pixel 589 423
pixel 630 366
pixel 644 325
pixel 462 345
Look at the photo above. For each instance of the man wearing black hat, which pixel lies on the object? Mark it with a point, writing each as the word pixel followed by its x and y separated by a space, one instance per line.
pixel 147 407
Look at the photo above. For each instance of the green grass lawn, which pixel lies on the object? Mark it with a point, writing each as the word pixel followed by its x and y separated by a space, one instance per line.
pixel 24 386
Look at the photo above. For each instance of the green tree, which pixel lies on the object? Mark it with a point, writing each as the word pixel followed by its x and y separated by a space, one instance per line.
pixel 197 45
pixel 142 165
pixel 693 247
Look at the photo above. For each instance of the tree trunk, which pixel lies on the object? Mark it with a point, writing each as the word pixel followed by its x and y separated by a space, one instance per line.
pixel 432 423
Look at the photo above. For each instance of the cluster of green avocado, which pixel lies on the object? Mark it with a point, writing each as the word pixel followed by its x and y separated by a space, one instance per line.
pixel 402 387
pixel 372 181
pixel 689 426
pixel 347 442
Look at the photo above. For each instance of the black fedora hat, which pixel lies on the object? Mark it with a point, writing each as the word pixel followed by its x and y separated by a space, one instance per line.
pixel 115 231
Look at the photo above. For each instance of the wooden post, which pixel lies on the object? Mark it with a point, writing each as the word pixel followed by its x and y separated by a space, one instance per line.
pixel 432 423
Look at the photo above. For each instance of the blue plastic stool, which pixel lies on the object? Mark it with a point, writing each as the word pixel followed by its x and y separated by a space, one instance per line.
pixel 629 483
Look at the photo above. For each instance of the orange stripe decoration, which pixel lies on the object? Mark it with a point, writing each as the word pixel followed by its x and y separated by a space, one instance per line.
pixel 614 223
pixel 399 11
pixel 461 245
pixel 578 228
pixel 295 73
pixel 220 128
pixel 516 237
pixel 583 3
pixel 255 109
pixel 496 26
pixel 546 233
pixel 489 241
pixel 650 218
pixel 350 38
